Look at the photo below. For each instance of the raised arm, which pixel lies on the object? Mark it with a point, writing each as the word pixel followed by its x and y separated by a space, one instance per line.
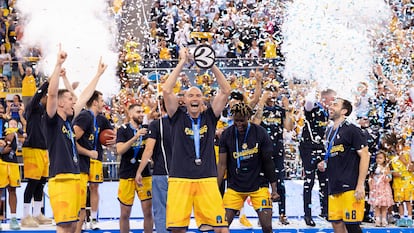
pixel 257 89
pixel 87 93
pixel 52 99
pixel 257 118
pixel 220 101
pixel 171 101
pixel 67 83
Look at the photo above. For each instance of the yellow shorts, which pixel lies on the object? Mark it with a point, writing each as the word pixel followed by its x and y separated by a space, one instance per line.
pixel 235 200
pixel 83 189
pixel 203 195
pixel 344 207
pixel 96 171
pixel 9 174
pixel 65 197
pixel 36 163
pixel 128 187
pixel 403 193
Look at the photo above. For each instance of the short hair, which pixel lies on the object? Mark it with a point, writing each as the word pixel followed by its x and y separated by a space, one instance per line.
pixel 347 106
pixel 61 92
pixel 241 108
pixel 328 92
pixel 95 96
pixel 133 106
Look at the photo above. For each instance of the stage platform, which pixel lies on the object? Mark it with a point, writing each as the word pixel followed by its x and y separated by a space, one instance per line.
pixel 296 226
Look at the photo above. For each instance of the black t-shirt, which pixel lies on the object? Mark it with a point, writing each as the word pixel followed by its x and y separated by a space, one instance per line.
pixel 249 176
pixel 183 148
pixel 383 112
pixel 272 121
pixel 343 162
pixel 317 119
pixel 34 112
pixel 103 123
pixel 158 154
pixel 128 169
pixel 86 121
pixel 60 140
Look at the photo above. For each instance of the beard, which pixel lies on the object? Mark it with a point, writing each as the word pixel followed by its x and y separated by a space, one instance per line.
pixel 137 120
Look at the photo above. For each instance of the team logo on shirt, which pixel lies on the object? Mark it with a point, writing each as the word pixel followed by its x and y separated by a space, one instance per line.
pixel 246 154
pixel 272 120
pixel 190 132
pixel 336 149
pixel 67 132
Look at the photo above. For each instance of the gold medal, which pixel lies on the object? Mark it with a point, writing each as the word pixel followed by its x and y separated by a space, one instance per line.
pixel 244 146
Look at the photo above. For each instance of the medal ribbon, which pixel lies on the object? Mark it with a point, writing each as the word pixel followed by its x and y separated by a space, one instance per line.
pixel 237 142
pixel 323 109
pixel 136 148
pixel 196 131
pixel 75 158
pixel 96 130
pixel 330 144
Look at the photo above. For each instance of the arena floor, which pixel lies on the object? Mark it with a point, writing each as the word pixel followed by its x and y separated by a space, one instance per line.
pixel 296 226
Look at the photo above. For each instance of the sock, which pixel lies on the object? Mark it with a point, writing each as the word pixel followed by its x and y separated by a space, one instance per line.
pixel 37 208
pixel 12 216
pixel 94 215
pixel 27 209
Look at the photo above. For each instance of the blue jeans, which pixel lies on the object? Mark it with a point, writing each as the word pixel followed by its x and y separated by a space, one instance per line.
pixel 159 202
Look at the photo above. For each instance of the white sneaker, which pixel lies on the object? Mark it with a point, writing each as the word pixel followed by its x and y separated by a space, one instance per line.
pixel 94 225
pixel 43 220
pixel 29 221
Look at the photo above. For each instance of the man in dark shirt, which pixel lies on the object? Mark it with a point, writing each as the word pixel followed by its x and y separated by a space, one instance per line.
pixel 158 147
pixel 246 155
pixel 130 144
pixel 312 151
pixel 346 160
pixel 64 159
pixel 193 164
pixel 274 118
pixel 35 160
pixel 86 130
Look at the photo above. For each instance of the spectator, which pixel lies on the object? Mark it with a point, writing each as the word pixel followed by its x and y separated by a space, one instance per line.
pixel 28 84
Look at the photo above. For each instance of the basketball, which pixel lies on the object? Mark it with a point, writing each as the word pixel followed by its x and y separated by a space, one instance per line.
pixel 105 135
pixel 204 56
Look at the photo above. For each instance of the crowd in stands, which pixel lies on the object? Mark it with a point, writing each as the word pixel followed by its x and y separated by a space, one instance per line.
pixel 251 30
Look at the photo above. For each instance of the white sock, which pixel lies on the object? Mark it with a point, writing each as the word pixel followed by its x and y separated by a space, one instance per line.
pixel 94 214
pixel 12 216
pixel 37 208
pixel 27 209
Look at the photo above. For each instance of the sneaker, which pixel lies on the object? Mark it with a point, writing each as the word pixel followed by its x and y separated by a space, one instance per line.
pixel 14 225
pixel 29 222
pixel 244 221
pixel 401 223
pixel 283 219
pixel 94 225
pixel 309 221
pixel 409 222
pixel 43 220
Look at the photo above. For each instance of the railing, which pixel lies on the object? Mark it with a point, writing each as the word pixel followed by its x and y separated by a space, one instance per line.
pixel 238 66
